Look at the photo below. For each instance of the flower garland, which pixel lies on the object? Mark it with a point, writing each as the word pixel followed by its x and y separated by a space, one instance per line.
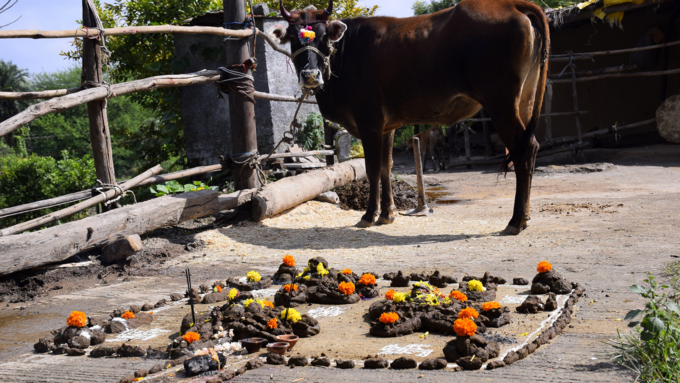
pixel 272 324
pixel 233 294
pixel 307 36
pixel 347 288
pixel 253 276
pixel 464 327
pixel 347 272
pixel 128 315
pixel 367 280
pixel 488 306
pixel 399 297
pixel 544 267
pixel 290 286
pixel 468 313
pixel 266 303
pixel 191 337
pixel 387 318
pixel 293 315
pixel 390 295
pixel 77 319
pixel 475 285
pixel 455 294
pixel 321 270
pixel 288 260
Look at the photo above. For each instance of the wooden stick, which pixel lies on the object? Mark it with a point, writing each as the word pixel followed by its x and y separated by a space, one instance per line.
pixel 498 162
pixel 547 102
pixel 620 75
pixel 590 55
pixel 466 135
pixel 575 96
pixel 301 154
pixel 32 224
pixel 542 115
pixel 277 47
pixel 616 69
pixel 593 134
pixel 124 31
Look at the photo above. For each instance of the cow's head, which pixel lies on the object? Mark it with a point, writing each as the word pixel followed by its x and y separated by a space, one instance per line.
pixel 311 38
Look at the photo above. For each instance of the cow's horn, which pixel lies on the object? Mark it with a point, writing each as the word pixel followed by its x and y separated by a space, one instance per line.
pixel 328 11
pixel 285 14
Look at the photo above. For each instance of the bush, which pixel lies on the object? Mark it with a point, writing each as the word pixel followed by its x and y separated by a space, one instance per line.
pixel 651 349
pixel 312 134
pixel 35 178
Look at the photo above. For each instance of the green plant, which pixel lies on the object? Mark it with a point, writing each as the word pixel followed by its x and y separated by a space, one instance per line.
pixel 312 134
pixel 401 135
pixel 174 187
pixel 672 271
pixel 651 349
pixel 341 8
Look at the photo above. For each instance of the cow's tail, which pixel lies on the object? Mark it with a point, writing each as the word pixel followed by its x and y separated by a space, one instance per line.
pixel 541 28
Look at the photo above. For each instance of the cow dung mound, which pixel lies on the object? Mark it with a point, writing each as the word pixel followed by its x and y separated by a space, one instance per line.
pixel 354 196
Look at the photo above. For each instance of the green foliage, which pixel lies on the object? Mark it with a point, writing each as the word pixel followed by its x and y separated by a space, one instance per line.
pixel 341 8
pixel 672 271
pixel 34 178
pixel 401 135
pixel 651 349
pixel 421 7
pixel 12 79
pixel 312 135
pixel 174 187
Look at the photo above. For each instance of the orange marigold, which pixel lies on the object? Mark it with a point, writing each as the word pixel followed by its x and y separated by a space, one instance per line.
pixel 543 267
pixel 488 306
pixel 77 319
pixel 455 294
pixel 389 317
pixel 464 327
pixel 347 271
pixel 468 312
pixel 367 280
pixel 128 315
pixel 191 337
pixel 267 303
pixel 290 286
pixel 390 294
pixel 346 287
pixel 288 260
pixel 219 288
pixel 272 324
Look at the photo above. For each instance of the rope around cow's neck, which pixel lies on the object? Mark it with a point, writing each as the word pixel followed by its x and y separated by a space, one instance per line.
pixel 326 59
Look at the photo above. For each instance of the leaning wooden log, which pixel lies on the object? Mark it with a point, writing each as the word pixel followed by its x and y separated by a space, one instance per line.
pixel 292 191
pixel 301 154
pixel 101 198
pixel 124 31
pixel 595 133
pixel 99 93
pixel 557 114
pixel 55 244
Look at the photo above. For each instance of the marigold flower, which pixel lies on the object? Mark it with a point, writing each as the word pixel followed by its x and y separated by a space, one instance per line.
pixel 455 294
pixel 290 286
pixel 488 306
pixel 464 327
pixel 272 324
pixel 367 280
pixel 399 297
pixel 468 312
pixel 191 337
pixel 253 276
pixel 247 302
pixel 321 270
pixel 475 285
pixel 288 260
pixel 347 272
pixel 77 319
pixel 293 315
pixel 543 267
pixel 233 294
pixel 128 315
pixel 266 303
pixel 389 317
pixel 346 287
pixel 218 289
pixel 390 295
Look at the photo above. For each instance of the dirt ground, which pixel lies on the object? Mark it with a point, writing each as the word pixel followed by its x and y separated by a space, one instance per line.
pixel 602 228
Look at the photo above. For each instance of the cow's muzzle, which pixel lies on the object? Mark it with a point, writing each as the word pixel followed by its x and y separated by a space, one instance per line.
pixel 311 78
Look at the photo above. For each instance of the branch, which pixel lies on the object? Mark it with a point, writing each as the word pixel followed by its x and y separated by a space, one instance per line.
pixel 124 31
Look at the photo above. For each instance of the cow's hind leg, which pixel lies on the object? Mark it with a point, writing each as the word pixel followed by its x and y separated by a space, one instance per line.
pixel 387 207
pixel 373 149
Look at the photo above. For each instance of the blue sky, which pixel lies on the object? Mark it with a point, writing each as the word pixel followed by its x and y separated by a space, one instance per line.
pixel 43 55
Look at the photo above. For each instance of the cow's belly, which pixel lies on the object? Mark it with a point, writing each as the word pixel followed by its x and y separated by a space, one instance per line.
pixel 427 111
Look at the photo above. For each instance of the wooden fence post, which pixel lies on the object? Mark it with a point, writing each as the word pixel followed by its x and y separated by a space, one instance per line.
pixel 100 137
pixel 241 110
pixel 488 151
pixel 547 102
pixel 329 134
pixel 468 151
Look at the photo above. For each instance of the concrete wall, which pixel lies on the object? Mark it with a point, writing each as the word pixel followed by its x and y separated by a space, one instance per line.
pixel 206 116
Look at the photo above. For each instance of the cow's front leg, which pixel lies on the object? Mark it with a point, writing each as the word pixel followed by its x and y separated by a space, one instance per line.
pixel 387 207
pixel 373 157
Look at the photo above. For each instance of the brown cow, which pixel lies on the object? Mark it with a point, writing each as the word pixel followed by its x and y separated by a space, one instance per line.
pixel 431 140
pixel 433 69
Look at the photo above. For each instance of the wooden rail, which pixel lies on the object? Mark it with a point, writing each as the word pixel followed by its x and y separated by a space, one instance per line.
pixel 124 31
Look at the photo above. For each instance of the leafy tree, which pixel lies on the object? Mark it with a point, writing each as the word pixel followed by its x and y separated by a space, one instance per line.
pixel 420 7
pixel 13 79
pixel 341 8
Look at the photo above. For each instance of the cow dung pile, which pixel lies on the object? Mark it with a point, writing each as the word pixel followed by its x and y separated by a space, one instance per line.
pixel 354 196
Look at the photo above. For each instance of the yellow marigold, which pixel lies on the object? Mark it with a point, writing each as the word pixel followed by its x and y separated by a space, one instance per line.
pixel 290 286
pixel 233 294
pixel 347 288
pixel 399 297
pixel 389 317
pixel 247 302
pixel 468 312
pixel 455 294
pixel 475 285
pixel 266 303
pixel 293 315
pixel 347 272
pixel 253 276
pixel 272 324
pixel 367 280
pixel 77 319
pixel 128 315
pixel 191 337
pixel 288 260
pixel 543 267
pixel 464 327
pixel 321 270
pixel 488 306
pixel 390 294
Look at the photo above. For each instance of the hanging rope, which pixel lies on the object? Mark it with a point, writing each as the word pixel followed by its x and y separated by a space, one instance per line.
pixel 120 193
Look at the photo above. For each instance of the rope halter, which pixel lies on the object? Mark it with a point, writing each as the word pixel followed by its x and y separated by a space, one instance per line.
pixel 326 59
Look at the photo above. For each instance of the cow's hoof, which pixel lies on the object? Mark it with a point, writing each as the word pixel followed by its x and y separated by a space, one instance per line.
pixel 511 230
pixel 364 224
pixel 385 221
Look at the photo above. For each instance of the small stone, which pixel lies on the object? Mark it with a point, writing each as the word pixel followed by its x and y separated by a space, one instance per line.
pixel 128 379
pixel 520 281
pixel 75 352
pixel 115 327
pixel 79 342
pixel 531 305
pixel 160 303
pixel 43 345
pixel 102 351
pixel 322 362
pixel 135 309
pixel 298 361
pixel 276 359
pixel 254 363
pixel 97 337
pixel 155 369
pixel 344 364
pixel 329 197
pixel 495 364
pixel 175 297
pixel 376 363
pixel 539 288
pixel 433 364
pixel 147 307
pixel 126 351
pixel 389 276
pixel 550 303
pixel 141 373
pixel 404 363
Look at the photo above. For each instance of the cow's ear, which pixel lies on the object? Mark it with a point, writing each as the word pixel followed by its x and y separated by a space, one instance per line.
pixel 336 29
pixel 279 34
